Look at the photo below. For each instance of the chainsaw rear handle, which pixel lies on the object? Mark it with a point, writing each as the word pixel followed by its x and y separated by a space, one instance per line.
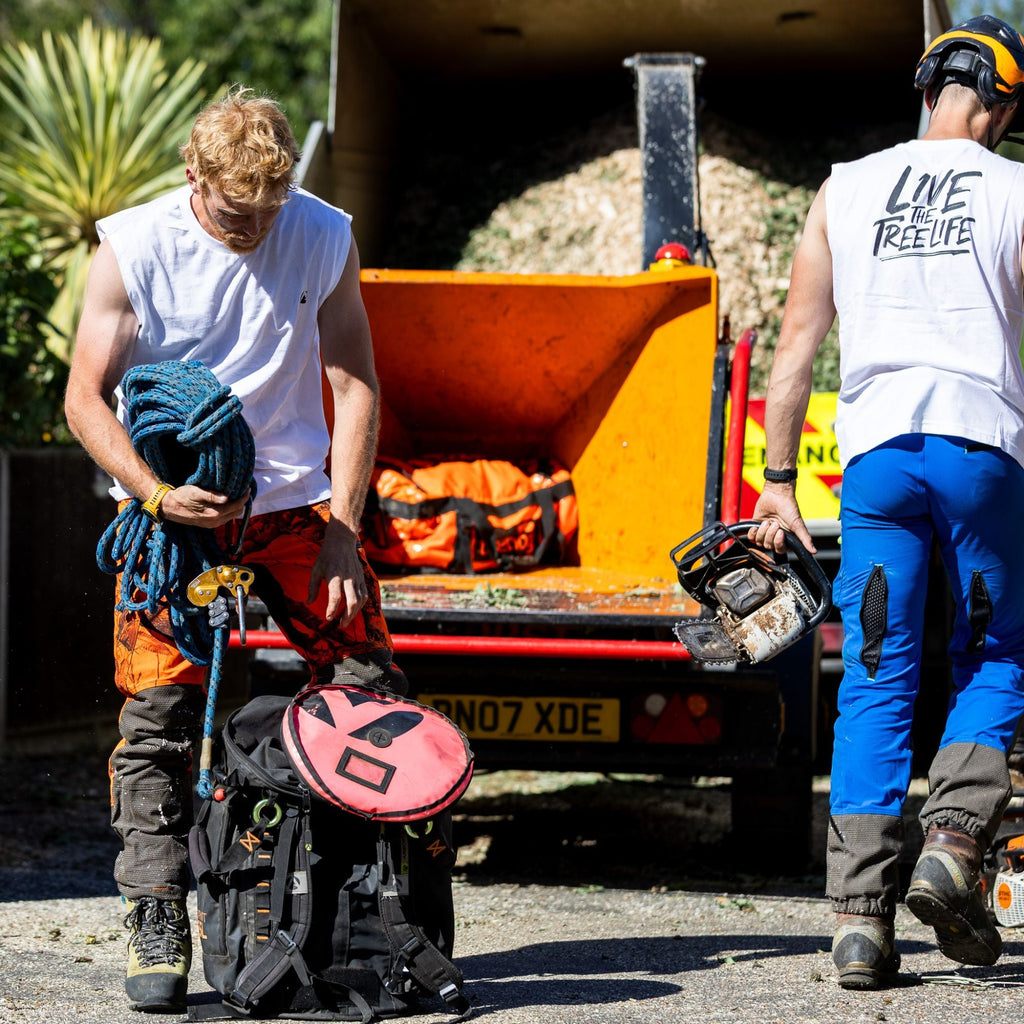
pixel 686 554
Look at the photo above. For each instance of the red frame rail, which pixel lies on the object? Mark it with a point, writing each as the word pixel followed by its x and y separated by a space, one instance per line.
pixel 732 482
pixel 511 647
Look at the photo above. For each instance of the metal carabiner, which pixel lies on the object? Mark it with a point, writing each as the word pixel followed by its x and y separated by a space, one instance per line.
pixel 235 579
pixel 426 832
pixel 275 817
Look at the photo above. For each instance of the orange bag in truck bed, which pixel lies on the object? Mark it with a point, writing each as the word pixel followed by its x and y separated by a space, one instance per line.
pixel 464 515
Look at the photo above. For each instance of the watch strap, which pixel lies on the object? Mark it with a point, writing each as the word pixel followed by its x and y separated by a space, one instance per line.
pixel 780 476
pixel 151 506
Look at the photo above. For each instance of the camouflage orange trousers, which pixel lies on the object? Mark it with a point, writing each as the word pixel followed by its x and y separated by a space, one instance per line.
pixel 165 697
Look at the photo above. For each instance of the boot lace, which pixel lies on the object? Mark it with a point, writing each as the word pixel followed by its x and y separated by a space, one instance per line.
pixel 160 931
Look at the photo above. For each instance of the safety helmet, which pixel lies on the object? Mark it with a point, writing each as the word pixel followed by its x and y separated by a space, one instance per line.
pixel 983 53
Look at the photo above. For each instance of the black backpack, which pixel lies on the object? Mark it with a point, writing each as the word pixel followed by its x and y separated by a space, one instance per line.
pixel 308 912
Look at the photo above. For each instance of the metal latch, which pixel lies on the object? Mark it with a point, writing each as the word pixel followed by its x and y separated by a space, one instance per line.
pixel 235 579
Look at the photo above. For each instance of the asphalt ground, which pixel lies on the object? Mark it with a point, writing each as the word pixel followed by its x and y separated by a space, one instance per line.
pixel 579 900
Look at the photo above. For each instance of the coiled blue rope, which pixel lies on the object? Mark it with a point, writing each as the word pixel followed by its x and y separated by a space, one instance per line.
pixel 189 429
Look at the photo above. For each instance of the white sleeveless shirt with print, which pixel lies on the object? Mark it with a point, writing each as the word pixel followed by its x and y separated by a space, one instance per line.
pixel 926 248
pixel 250 319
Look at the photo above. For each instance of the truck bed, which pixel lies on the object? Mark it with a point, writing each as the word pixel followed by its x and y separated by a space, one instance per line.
pixel 556 595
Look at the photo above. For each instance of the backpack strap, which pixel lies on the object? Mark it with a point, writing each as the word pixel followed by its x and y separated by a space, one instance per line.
pixel 281 953
pixel 292 884
pixel 235 859
pixel 472 516
pixel 214 1011
pixel 411 949
pixel 469 517
pixel 289 853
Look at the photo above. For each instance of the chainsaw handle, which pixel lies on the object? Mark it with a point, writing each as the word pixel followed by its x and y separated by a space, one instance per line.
pixel 809 562
pixel 696 547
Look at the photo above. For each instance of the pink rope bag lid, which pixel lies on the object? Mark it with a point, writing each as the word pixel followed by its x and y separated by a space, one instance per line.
pixel 376 755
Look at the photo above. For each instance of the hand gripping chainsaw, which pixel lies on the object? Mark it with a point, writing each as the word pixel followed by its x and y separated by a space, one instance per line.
pixel 761 603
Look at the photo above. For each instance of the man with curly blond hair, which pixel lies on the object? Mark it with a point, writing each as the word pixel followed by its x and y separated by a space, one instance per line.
pixel 258 280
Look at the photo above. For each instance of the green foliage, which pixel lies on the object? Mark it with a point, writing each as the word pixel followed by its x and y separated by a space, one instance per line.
pixel 782 226
pixel 94 123
pixel 32 378
pixel 27 19
pixel 282 49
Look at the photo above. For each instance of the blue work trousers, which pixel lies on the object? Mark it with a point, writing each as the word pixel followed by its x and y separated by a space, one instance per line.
pixel 895 499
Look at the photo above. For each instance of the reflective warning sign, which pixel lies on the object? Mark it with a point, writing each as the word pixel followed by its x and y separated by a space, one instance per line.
pixel 820 480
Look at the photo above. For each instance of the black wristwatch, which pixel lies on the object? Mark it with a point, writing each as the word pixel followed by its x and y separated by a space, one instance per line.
pixel 779 476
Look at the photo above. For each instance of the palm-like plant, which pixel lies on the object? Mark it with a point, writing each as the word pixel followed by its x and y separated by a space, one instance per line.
pixel 93 125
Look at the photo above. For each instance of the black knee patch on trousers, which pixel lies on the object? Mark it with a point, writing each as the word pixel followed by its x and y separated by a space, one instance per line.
pixel 862 863
pixel 979 611
pixel 969 788
pixel 151 799
pixel 874 617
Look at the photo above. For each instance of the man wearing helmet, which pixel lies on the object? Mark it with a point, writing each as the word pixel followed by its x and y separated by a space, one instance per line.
pixel 918 249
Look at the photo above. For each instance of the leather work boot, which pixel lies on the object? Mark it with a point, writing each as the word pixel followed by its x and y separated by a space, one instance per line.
pixel 945 893
pixel 159 954
pixel 864 951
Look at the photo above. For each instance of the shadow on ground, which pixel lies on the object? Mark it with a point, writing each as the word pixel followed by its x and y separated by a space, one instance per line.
pixel 638 832
pixel 575 829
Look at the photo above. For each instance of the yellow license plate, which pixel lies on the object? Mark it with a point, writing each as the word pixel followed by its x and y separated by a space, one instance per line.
pixel 549 719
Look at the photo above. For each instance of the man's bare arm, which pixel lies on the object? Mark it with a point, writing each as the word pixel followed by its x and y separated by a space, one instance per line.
pixel 809 314
pixel 347 353
pixel 106 334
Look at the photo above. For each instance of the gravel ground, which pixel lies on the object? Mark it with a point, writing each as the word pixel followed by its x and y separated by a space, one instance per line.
pixel 579 900
pixel 583 955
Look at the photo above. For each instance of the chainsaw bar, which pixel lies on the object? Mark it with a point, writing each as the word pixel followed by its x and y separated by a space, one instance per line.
pixel 707 642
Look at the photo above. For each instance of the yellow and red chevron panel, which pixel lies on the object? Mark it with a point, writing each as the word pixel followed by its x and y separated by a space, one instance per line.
pixel 820 480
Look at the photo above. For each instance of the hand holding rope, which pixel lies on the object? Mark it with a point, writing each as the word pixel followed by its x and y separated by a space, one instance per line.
pixel 189 429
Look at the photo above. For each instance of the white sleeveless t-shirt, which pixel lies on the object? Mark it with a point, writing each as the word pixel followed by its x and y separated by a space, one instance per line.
pixel 251 319
pixel 926 251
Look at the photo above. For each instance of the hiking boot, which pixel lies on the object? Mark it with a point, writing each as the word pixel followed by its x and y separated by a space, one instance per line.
pixel 159 954
pixel 945 892
pixel 864 951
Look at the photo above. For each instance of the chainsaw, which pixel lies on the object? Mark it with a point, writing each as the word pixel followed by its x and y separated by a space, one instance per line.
pixel 760 603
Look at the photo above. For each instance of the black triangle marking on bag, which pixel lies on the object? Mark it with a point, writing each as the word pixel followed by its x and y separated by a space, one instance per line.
pixel 318 707
pixel 396 723
pixel 357 697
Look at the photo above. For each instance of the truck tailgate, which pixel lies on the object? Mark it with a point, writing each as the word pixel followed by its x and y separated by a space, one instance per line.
pixel 558 595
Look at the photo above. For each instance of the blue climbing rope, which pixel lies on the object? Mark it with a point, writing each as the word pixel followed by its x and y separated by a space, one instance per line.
pixel 189 429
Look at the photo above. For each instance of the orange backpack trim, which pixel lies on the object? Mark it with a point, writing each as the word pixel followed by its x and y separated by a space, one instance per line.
pixel 464 515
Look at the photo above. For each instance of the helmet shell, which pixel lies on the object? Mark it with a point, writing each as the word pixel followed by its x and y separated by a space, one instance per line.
pixel 984 53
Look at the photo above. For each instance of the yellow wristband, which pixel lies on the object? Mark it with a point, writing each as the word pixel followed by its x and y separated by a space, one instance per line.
pixel 151 506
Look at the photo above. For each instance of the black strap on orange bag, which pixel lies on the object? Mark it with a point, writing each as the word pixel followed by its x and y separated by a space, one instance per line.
pixel 468 516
